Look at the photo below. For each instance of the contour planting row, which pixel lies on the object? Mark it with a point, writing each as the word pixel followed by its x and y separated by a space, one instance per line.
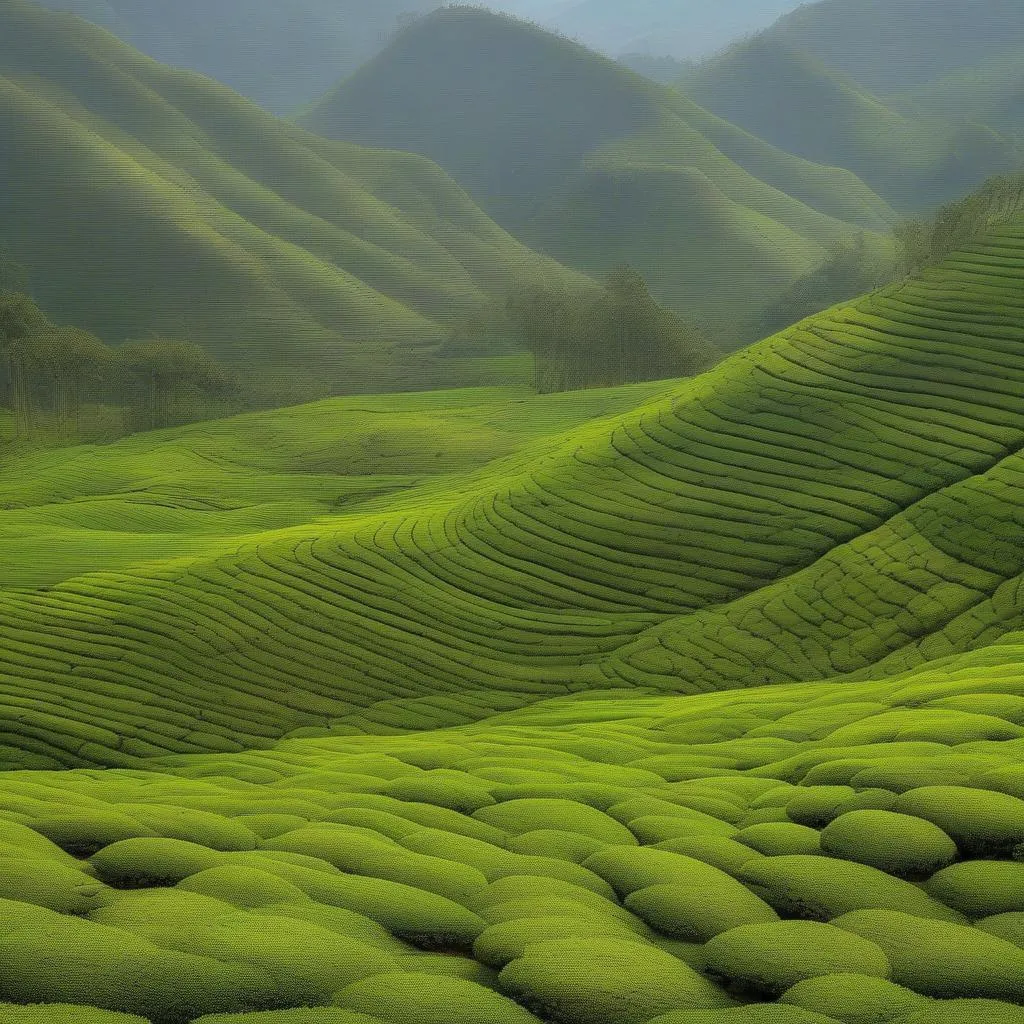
pixel 808 854
pixel 830 492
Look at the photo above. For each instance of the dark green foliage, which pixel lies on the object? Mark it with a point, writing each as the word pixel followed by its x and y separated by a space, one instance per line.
pixel 921 243
pixel 619 334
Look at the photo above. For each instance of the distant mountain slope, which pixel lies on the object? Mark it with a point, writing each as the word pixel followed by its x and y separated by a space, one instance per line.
pixel 889 45
pixel 281 55
pixel 990 92
pixel 595 165
pixel 143 199
pixel 791 99
pixel 677 28
pixel 843 499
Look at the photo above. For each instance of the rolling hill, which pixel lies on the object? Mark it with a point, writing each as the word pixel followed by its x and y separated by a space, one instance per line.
pixel 696 703
pixel 891 45
pixel 795 102
pixel 594 165
pixel 146 200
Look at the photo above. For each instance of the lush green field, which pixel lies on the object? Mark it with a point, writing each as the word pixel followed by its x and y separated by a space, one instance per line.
pixel 595 165
pixel 690 703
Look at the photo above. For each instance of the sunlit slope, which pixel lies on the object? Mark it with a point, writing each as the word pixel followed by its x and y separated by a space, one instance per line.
pixel 842 495
pixel 803 854
pixel 595 165
pixel 143 199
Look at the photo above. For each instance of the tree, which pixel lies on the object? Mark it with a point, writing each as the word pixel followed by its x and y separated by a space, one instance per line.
pixel 20 320
pixel 594 337
pixel 67 362
pixel 165 381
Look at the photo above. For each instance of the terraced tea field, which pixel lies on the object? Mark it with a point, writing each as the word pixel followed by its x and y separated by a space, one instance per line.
pixel 690 703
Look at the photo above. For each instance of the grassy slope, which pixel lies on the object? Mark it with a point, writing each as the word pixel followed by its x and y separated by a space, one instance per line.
pixel 822 503
pixel 590 162
pixel 793 101
pixel 146 199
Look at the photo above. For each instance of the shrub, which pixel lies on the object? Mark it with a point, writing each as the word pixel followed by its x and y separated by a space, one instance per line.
pixel 604 981
pixel 755 1013
pixel 770 958
pixel 854 998
pixel 82 832
pixel 460 795
pixel 725 854
pixel 938 958
pixel 628 869
pixel 549 842
pixel 58 1014
pixel 897 843
pixel 242 886
pixel 816 806
pixel 416 998
pixel 966 1011
pixel 48 883
pixel 981 888
pixel 507 941
pixel 142 863
pixel 319 1015
pixel 981 822
pixel 211 830
pixel 519 816
pixel 1005 926
pixel 779 838
pixel 358 853
pixel 48 957
pixel 698 912
pixel 821 888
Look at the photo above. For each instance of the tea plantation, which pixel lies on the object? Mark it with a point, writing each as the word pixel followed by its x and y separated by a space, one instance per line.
pixel 697 703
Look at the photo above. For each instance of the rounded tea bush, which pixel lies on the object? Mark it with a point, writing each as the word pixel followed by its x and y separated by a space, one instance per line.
pixel 981 888
pixel 942 959
pixel 981 822
pixel 755 1013
pixel 416 998
pixel 821 888
pixel 770 958
pixel 518 816
pixel 780 838
pixel 697 912
pixel 84 831
pixel 897 843
pixel 142 863
pixel 54 1013
pixel 854 998
pixel 605 981
pixel 966 1011
pixel 502 943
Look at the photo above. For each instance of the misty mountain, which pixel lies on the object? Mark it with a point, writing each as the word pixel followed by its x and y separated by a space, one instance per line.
pixel 595 165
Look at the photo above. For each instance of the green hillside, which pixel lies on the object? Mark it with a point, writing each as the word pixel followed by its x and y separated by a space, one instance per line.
pixel 791 100
pixel 144 200
pixel 890 45
pixel 690 703
pixel 991 93
pixel 595 165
